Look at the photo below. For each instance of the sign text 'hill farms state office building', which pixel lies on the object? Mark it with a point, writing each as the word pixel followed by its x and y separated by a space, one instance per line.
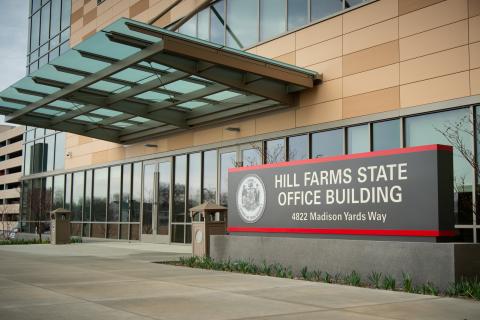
pixel 136 111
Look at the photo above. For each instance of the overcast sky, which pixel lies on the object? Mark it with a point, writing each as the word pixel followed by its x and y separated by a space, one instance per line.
pixel 13 41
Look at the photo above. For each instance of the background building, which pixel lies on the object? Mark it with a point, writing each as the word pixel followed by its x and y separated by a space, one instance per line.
pixel 11 161
pixel 396 73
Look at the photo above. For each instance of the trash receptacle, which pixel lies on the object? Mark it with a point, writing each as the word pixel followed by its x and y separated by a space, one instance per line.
pixel 60 226
pixel 207 219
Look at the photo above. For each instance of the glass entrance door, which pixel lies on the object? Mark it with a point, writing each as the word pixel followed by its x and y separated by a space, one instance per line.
pixel 157 182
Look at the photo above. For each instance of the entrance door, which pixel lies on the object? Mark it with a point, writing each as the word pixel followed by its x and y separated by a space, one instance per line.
pixel 157 182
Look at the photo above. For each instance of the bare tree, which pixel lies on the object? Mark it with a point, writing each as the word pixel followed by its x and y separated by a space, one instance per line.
pixel 459 134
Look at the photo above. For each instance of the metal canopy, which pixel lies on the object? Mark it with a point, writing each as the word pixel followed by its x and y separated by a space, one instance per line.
pixel 131 81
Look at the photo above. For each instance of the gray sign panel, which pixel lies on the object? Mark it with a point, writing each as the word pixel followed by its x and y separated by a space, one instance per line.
pixel 390 194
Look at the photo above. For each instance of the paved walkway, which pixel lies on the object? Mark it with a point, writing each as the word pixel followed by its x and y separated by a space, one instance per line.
pixel 119 281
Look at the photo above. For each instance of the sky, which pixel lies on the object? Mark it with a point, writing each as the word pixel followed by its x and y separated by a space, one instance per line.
pixel 13 41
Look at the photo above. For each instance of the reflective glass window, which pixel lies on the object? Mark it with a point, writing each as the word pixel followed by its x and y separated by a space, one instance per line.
pixel 431 129
pixel 100 191
pixel 148 197
pixel 164 170
pixel 77 195
pixel 136 192
pixel 275 151
pixel 189 28
pixel 179 188
pixel 58 191
pixel 210 175
pixel 35 31
pixel 45 24
pixel 126 189
pixel 297 13
pixel 327 143
pixel 242 23
pixel 47 195
pixel 28 158
pixel 227 161
pixel 88 196
pixel 36 5
pixel 56 14
pixel 66 12
pixel 358 139
pixel 68 191
pixel 298 147
pixel 251 157
pixel 114 194
pixel 217 22
pixel 38 156
pixel 194 179
pixel 322 8
pixel 59 150
pixel 386 135
pixel 203 24
pixel 49 149
pixel 273 20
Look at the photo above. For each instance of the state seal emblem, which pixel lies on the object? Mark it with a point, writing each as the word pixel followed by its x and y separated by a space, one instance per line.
pixel 251 198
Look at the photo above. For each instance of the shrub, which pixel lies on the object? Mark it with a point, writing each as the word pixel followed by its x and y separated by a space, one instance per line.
pixel 465 287
pixel 429 288
pixel 375 278
pixel 327 278
pixel 353 279
pixel 388 282
pixel 407 282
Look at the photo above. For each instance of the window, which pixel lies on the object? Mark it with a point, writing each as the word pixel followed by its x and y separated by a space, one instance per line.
pixel 126 189
pixel 427 129
pixel 28 158
pixel 164 183
pixel 298 147
pixel 217 22
pixel 49 149
pixel 100 185
pixel 227 161
pixel 59 150
pixel 242 23
pixel 251 157
pixel 148 198
pixel 180 179
pixel 352 3
pixel 77 195
pixel 68 191
pixel 88 196
pixel 272 18
pixel 189 28
pixel 45 24
pixel 58 191
pixel 114 194
pixel 358 139
pixel 194 180
pixel 203 24
pixel 210 175
pixel 136 192
pixel 386 135
pixel 323 8
pixel 297 13
pixel 56 14
pixel 275 151
pixel 327 143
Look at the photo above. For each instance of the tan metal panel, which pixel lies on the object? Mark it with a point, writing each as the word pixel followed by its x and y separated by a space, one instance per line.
pixel 89 16
pixel 138 7
pixel 474 55
pixel 370 36
pixel 319 113
pixel 474 29
pixel 327 91
pixel 473 8
pixel 475 81
pixel 434 65
pixel 275 121
pixel 371 58
pixel 443 38
pixel 434 16
pixel 319 32
pixel 370 14
pixel 277 47
pixel 330 69
pixel 372 80
pixel 319 52
pixel 438 89
pixel 209 135
pixel 371 102
pixel 406 6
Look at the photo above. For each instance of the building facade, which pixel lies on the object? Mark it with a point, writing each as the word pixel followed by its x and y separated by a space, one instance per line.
pixel 395 73
pixel 11 161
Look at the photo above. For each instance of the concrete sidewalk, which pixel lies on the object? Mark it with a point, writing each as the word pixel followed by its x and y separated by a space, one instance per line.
pixel 119 281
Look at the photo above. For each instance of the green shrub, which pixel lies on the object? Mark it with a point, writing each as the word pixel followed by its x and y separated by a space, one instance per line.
pixel 305 273
pixel 76 240
pixel 22 241
pixel 327 277
pixel 317 275
pixel 353 279
pixel 388 282
pixel 469 288
pixel 375 278
pixel 429 288
pixel 407 282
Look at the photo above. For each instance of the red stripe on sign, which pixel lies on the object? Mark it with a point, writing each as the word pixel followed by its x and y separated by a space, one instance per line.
pixel 371 232
pixel 430 147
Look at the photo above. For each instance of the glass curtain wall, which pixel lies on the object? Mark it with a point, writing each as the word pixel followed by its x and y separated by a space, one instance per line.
pixel 49 31
pixel 44 150
pixel 243 23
